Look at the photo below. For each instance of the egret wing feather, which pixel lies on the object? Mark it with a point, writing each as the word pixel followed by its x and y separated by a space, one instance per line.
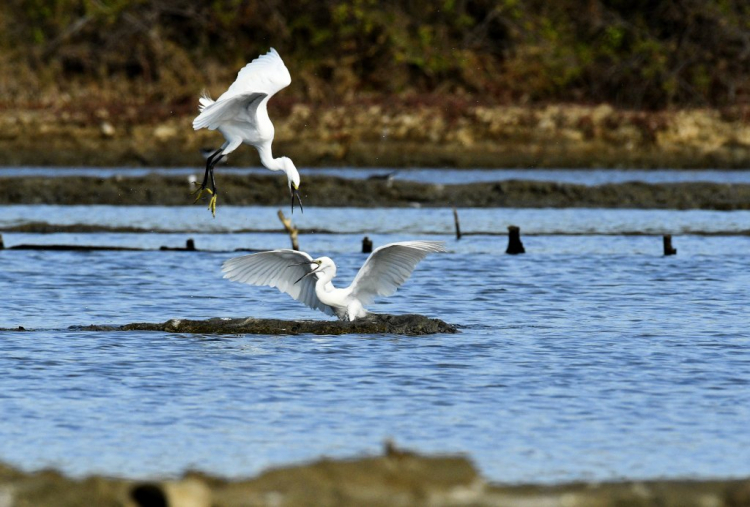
pixel 204 101
pixel 239 108
pixel 275 269
pixel 266 74
pixel 389 266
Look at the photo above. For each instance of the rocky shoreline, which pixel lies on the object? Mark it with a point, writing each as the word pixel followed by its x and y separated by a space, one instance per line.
pixel 328 191
pixel 386 134
pixel 395 478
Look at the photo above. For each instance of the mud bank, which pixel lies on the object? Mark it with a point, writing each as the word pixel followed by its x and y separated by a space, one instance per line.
pixel 159 189
pixel 372 324
pixel 454 134
pixel 396 478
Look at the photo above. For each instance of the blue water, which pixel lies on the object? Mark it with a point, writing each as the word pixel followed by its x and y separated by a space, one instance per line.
pixel 590 357
pixel 427 175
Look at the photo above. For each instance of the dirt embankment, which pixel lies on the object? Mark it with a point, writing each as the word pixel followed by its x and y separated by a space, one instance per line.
pixel 386 135
pixel 397 478
pixel 326 191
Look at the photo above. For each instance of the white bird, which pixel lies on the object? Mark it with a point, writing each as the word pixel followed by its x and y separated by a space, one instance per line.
pixel 240 114
pixel 382 273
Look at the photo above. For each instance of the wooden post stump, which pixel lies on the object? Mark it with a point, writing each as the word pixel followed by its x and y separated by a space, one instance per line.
pixel 668 249
pixel 291 229
pixel 366 245
pixel 514 241
pixel 458 225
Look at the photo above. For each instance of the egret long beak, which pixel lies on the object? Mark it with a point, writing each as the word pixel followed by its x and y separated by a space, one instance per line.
pixel 300 263
pixel 295 193
pixel 306 275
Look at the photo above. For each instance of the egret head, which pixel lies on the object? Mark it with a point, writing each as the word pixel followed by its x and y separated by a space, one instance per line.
pixel 323 268
pixel 293 179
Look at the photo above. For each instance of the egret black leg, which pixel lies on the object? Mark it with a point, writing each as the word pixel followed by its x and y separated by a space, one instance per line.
pixel 210 163
pixel 213 181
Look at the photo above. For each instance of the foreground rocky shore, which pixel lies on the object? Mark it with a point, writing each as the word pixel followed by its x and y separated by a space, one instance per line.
pixel 396 478
pixel 446 133
pixel 261 189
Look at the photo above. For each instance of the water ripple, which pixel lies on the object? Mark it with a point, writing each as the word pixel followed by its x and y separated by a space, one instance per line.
pixel 587 358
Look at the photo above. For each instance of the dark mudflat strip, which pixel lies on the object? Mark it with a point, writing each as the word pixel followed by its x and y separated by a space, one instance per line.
pixel 46 228
pixel 328 191
pixel 75 248
pixel 49 228
pixel 372 324
pixel 189 247
pixel 104 248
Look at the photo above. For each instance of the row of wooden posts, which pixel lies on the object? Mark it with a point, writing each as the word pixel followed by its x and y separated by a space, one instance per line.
pixel 514 235
pixel 514 242
pixel 515 246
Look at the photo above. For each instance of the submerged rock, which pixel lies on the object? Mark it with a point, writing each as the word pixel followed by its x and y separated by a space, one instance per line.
pixel 372 324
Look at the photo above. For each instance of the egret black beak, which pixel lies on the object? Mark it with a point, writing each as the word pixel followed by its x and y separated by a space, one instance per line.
pixel 295 193
pixel 306 275
pixel 300 263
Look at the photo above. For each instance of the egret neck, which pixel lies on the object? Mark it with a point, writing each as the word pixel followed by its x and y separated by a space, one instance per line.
pixel 286 165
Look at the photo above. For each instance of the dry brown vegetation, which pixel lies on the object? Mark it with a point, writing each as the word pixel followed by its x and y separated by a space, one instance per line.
pixel 634 54
pixel 452 83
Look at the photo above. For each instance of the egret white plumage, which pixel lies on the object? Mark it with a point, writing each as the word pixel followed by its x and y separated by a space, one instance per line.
pixel 241 115
pixel 384 271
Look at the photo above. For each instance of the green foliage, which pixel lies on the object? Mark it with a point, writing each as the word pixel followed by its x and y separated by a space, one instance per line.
pixel 634 53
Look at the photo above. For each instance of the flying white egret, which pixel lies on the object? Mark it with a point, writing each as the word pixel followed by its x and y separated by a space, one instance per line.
pixel 240 114
pixel 382 273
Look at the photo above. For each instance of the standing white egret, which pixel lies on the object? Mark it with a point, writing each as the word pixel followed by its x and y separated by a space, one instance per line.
pixel 382 273
pixel 240 114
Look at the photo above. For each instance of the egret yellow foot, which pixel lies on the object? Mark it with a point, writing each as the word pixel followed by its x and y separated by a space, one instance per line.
pixel 200 193
pixel 211 203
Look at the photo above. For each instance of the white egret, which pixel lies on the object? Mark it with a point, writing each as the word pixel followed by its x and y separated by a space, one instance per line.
pixel 240 114
pixel 382 273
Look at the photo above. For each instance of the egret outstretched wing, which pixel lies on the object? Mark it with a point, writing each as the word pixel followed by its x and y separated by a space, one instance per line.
pixel 239 108
pixel 390 266
pixel 276 269
pixel 259 80
pixel 266 74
